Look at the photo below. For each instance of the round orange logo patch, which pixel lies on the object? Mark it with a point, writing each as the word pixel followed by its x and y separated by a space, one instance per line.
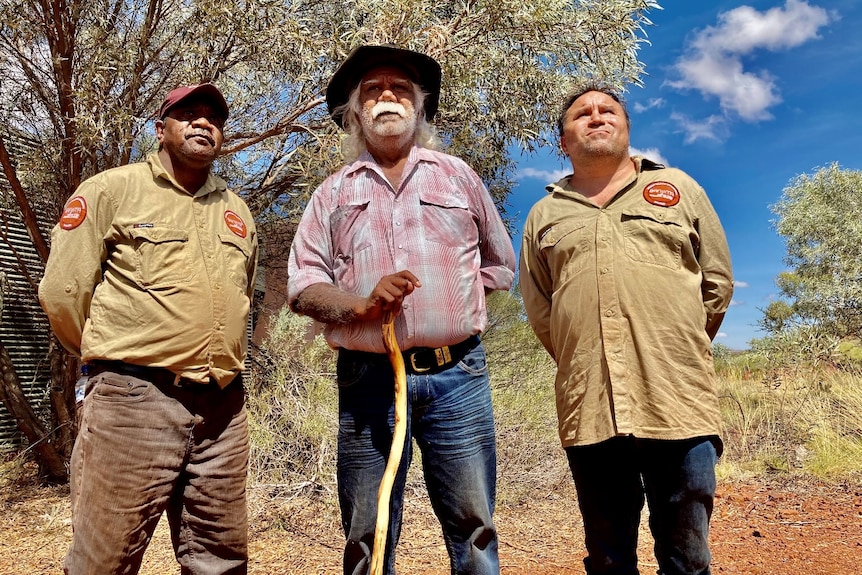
pixel 662 194
pixel 74 213
pixel 235 224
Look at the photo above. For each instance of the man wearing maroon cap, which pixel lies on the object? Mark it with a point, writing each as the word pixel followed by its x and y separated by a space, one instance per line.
pixel 149 282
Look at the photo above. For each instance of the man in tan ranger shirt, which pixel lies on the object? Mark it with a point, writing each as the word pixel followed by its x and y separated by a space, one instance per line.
pixel 149 282
pixel 626 276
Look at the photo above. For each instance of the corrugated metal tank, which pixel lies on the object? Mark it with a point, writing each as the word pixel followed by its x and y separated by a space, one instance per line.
pixel 24 329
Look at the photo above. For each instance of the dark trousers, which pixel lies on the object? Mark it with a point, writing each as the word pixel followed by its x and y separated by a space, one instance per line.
pixel 677 480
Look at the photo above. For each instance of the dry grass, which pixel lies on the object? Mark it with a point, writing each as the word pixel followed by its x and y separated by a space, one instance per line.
pixel 793 421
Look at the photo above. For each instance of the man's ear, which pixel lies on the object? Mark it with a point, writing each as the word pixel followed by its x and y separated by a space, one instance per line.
pixel 160 129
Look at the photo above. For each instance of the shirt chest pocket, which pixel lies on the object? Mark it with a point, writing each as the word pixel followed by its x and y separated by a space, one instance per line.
pixel 162 256
pixel 447 220
pixel 236 254
pixel 352 229
pixel 567 248
pixel 654 237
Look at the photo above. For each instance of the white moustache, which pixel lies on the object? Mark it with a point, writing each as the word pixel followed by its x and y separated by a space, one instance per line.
pixel 384 107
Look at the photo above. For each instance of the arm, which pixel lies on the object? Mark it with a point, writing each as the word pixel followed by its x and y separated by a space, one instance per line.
pixel 536 288
pixel 717 275
pixel 327 304
pixel 495 245
pixel 74 266
pixel 311 280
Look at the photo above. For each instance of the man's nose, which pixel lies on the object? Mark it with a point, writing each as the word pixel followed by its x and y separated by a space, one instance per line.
pixel 388 94
pixel 202 122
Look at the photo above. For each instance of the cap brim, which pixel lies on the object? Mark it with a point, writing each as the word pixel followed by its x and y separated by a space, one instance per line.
pixel 424 70
pixel 208 92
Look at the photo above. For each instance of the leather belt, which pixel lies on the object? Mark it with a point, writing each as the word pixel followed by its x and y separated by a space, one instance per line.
pixel 425 359
pixel 419 360
pixel 156 375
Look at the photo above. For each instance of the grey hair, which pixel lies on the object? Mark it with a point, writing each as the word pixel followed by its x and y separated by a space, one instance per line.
pixel 582 89
pixel 353 144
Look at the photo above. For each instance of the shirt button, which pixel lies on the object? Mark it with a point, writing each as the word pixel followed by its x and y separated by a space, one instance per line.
pixel 399 247
pixel 609 313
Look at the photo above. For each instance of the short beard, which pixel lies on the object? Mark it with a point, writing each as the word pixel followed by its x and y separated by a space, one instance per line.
pixel 605 148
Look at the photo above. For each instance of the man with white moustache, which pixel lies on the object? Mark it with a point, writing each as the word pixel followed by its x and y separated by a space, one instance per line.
pixel 406 229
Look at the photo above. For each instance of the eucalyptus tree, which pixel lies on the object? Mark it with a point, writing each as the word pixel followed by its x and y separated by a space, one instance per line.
pixel 83 78
pixel 820 218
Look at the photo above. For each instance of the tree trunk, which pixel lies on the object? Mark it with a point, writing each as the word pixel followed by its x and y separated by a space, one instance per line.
pixel 64 373
pixel 52 464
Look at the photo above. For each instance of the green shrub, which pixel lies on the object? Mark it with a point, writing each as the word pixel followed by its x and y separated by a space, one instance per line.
pixel 292 405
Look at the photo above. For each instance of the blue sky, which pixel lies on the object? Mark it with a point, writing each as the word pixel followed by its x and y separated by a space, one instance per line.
pixel 744 96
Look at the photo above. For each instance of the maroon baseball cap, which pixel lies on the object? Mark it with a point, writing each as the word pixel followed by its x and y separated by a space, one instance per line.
pixel 204 91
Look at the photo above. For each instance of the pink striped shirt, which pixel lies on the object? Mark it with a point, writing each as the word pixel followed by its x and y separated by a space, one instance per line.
pixel 441 224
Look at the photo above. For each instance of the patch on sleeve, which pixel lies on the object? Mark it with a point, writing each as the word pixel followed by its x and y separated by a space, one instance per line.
pixel 663 194
pixel 235 224
pixel 74 213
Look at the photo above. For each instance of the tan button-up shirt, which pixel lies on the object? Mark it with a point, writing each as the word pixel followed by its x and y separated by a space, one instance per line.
pixel 626 298
pixel 144 272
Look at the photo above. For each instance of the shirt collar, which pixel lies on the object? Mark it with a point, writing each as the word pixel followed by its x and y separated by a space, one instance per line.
pixel 416 155
pixel 641 165
pixel 212 184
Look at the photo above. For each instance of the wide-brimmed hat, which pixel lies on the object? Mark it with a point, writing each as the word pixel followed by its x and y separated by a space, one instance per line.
pixel 206 91
pixel 422 69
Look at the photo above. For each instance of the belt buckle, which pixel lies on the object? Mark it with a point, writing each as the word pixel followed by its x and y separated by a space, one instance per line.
pixel 442 356
pixel 416 368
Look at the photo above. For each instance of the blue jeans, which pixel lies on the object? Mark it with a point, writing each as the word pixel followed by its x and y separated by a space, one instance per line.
pixel 678 480
pixel 449 415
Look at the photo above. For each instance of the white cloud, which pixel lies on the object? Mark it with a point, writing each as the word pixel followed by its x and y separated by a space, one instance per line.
pixel 740 284
pixel 546 176
pixel 713 63
pixel 652 103
pixel 713 128
pixel 652 153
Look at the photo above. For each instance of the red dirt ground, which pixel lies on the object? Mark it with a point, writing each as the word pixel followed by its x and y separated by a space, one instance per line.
pixel 758 529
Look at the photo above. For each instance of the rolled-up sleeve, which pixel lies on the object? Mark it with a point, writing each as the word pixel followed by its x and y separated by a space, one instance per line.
pixel 310 259
pixel 495 246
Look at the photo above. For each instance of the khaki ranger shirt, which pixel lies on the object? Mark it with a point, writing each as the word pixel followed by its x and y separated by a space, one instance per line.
pixel 144 272
pixel 626 299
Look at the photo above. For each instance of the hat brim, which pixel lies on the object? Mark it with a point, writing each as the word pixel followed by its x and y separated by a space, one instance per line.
pixel 423 69
pixel 207 91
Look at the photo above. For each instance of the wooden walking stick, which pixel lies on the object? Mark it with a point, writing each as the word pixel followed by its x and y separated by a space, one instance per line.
pixel 384 492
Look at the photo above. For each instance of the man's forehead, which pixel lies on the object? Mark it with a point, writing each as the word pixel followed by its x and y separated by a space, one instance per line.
pixel 595 95
pixel 593 98
pixel 393 72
